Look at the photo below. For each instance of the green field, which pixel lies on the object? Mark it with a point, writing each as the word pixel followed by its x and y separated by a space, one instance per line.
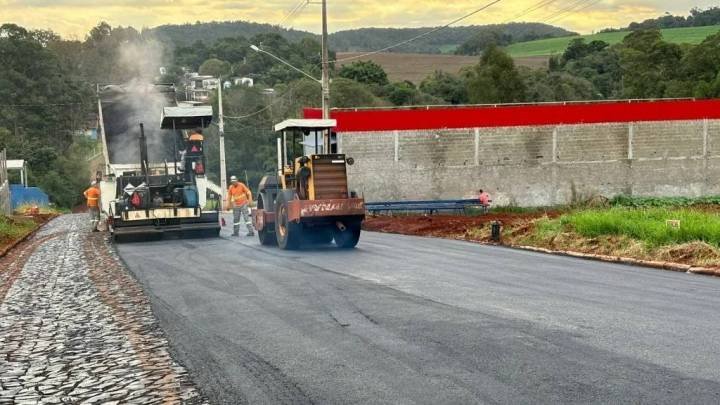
pixel 546 47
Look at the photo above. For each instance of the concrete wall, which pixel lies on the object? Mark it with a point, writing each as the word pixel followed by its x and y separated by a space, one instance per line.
pixel 535 166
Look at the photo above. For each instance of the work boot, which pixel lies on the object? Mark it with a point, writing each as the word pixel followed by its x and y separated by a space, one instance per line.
pixel 251 233
pixel 235 234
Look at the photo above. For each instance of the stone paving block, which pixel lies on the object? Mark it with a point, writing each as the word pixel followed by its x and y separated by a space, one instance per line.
pixel 75 326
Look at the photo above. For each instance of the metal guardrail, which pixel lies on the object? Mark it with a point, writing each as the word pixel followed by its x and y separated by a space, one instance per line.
pixel 424 206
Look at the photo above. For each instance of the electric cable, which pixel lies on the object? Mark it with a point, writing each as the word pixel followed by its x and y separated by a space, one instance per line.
pixel 424 34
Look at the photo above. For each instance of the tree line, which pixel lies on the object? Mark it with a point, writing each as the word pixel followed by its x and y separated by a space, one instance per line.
pixel 697 18
pixel 47 85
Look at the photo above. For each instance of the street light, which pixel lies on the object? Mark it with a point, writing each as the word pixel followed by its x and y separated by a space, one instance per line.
pixel 325 81
pixel 259 50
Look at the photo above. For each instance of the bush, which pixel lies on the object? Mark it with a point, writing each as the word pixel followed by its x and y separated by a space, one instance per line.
pixel 647 202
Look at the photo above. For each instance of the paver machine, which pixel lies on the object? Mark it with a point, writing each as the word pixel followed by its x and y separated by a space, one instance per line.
pixel 308 200
pixel 163 198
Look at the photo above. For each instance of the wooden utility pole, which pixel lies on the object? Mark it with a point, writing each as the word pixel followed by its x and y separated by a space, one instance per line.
pixel 221 131
pixel 325 64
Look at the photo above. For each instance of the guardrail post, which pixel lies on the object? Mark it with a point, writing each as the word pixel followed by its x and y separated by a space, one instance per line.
pixel 396 136
pixel 5 207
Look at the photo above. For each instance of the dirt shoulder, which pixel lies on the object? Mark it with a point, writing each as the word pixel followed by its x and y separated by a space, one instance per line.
pixel 474 228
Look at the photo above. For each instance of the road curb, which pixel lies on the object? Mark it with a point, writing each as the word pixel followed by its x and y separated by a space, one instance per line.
pixel 661 265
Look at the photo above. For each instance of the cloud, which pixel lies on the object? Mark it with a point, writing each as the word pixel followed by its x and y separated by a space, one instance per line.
pixel 74 18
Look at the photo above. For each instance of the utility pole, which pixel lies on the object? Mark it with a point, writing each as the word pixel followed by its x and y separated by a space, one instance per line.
pixel 325 65
pixel 221 127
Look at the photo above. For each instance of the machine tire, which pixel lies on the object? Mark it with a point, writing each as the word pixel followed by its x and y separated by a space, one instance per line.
pixel 288 234
pixel 348 238
pixel 267 234
pixel 267 237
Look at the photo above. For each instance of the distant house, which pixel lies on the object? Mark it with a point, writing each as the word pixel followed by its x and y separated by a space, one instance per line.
pixel 198 87
pixel 244 81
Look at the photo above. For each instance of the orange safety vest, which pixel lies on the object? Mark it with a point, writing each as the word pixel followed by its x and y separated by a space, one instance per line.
pixel 92 195
pixel 239 194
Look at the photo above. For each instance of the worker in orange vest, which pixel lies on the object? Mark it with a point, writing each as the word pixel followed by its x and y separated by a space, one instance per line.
pixel 239 198
pixel 92 195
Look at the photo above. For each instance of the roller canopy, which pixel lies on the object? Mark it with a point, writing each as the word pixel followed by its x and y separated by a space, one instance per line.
pixel 306 124
pixel 186 117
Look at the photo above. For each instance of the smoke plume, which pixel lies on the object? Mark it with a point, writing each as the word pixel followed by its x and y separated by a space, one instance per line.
pixel 137 101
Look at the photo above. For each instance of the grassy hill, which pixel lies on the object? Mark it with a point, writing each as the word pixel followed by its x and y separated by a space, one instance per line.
pixel 546 47
pixel 356 40
pixel 444 41
pixel 209 32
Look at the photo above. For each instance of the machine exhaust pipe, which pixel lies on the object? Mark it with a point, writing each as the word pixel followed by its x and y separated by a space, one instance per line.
pixel 340 226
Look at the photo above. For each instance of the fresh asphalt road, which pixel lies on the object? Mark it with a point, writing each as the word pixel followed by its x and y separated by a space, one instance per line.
pixel 412 320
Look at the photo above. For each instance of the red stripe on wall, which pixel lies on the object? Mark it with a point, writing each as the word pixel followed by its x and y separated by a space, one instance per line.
pixel 520 115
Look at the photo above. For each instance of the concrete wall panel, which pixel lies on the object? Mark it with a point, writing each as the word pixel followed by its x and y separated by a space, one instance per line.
pixel 542 165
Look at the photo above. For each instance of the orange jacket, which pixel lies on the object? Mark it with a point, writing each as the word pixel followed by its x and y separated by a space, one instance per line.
pixel 93 196
pixel 239 194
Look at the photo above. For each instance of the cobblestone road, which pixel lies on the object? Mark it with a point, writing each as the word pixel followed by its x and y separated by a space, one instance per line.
pixel 76 328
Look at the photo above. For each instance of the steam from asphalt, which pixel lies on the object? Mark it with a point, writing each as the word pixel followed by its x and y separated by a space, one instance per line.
pixel 127 105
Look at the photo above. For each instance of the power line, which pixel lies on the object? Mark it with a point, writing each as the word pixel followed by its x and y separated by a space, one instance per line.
pixel 563 11
pixel 415 38
pixel 530 10
pixel 277 99
pixel 592 3
pixel 40 105
pixel 294 11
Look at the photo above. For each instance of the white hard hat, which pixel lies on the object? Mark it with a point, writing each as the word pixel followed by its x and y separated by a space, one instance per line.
pixel 93 183
pixel 233 178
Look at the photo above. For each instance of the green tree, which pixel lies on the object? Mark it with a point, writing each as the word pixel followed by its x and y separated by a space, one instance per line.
pixel 44 104
pixel 542 86
pixel 445 86
pixel 495 79
pixel 482 40
pixel 366 71
pixel 648 64
pixel 346 93
pixel 214 68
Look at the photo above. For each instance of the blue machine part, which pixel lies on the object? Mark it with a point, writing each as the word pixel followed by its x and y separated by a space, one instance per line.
pixel 190 196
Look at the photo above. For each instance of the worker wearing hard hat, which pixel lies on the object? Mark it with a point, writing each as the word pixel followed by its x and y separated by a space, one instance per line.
pixel 196 135
pixel 239 198
pixel 92 196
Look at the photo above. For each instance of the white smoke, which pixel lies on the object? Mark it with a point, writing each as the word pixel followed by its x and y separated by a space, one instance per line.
pixel 139 101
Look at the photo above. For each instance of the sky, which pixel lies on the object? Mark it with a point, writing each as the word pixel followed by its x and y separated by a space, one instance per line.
pixel 74 18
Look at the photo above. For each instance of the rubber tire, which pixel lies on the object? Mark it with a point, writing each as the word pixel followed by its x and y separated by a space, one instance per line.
pixel 348 238
pixel 267 237
pixel 288 234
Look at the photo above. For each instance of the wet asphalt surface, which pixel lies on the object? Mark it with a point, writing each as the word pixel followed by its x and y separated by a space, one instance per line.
pixel 413 320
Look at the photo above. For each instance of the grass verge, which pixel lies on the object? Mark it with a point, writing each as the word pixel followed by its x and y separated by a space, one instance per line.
pixel 641 233
pixel 13 228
